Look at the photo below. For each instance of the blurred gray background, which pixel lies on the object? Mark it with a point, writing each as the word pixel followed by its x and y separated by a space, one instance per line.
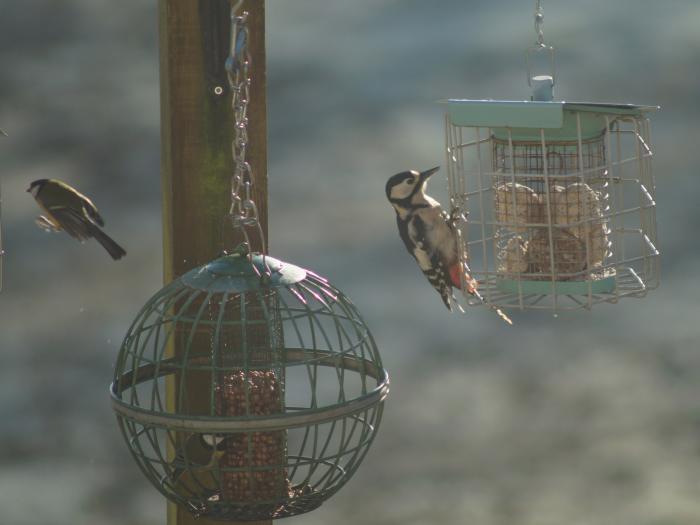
pixel 591 418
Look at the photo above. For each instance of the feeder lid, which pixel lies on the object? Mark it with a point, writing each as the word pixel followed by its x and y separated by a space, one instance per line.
pixel 525 118
pixel 240 273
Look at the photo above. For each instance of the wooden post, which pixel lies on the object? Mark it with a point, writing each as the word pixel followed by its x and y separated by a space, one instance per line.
pixel 196 134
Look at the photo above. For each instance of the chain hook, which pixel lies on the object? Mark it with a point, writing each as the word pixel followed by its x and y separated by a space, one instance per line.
pixel 539 22
pixel 243 212
pixel 236 7
pixel 532 54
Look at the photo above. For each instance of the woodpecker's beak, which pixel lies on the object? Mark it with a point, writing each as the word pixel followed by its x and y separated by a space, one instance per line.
pixel 426 174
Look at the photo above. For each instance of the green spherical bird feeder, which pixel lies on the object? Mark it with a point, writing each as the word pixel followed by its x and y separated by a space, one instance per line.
pixel 294 398
pixel 557 198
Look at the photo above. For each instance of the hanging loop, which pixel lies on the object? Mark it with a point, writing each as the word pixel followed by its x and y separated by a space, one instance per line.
pixel 541 83
pixel 539 22
pixel 531 57
pixel 236 7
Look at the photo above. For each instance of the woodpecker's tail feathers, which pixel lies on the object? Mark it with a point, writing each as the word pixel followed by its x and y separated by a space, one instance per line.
pixel 445 295
pixel 437 278
pixel 448 303
pixel 456 302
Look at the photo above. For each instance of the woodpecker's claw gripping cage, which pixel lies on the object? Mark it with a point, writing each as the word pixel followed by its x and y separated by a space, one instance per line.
pixel 560 197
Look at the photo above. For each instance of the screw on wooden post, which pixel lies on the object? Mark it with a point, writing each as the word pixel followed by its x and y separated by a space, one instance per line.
pixel 196 133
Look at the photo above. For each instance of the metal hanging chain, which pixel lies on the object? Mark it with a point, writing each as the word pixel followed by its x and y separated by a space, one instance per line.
pixel 2 250
pixel 539 47
pixel 243 211
pixel 539 22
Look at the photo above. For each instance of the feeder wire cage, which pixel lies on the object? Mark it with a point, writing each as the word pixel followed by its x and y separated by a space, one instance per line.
pixel 559 196
pixel 295 389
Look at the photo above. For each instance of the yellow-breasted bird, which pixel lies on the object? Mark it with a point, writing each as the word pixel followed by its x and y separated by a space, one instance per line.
pixel 69 210
pixel 199 455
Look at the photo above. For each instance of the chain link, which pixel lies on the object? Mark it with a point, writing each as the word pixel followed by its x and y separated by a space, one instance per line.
pixel 539 22
pixel 533 55
pixel 243 211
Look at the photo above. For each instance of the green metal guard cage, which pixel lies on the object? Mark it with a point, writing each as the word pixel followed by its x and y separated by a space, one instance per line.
pixel 295 395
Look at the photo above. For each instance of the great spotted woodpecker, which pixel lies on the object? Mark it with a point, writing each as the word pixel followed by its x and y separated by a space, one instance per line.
pixel 430 235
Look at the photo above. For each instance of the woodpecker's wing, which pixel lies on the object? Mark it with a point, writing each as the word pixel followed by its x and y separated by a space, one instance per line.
pixel 428 257
pixel 403 233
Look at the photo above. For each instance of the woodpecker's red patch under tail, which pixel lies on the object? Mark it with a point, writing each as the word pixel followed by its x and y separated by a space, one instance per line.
pixel 456 278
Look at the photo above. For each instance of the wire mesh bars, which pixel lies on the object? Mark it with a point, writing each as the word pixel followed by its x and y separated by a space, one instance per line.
pixel 559 198
pixel 294 398
pixel 2 250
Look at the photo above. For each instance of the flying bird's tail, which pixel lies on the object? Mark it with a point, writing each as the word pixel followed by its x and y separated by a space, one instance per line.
pixel 109 244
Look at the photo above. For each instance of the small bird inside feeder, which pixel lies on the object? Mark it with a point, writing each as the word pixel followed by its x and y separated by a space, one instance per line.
pixel 250 452
pixel 200 454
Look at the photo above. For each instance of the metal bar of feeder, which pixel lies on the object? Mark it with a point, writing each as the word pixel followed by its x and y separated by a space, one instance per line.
pixel 196 129
pixel 263 423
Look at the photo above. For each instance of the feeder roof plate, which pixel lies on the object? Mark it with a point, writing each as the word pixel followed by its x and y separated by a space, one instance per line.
pixel 609 108
pixel 528 114
pixel 238 274
pixel 505 113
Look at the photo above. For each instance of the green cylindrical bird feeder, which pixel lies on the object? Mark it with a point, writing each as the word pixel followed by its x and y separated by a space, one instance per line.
pixel 558 198
pixel 294 398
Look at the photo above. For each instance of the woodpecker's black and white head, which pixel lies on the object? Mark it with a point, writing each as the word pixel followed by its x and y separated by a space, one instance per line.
pixel 407 189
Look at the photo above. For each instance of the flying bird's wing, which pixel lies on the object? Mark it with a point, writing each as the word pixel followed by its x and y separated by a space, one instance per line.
pixel 79 226
pixel 47 224
pixel 78 199
pixel 72 221
pixel 91 211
